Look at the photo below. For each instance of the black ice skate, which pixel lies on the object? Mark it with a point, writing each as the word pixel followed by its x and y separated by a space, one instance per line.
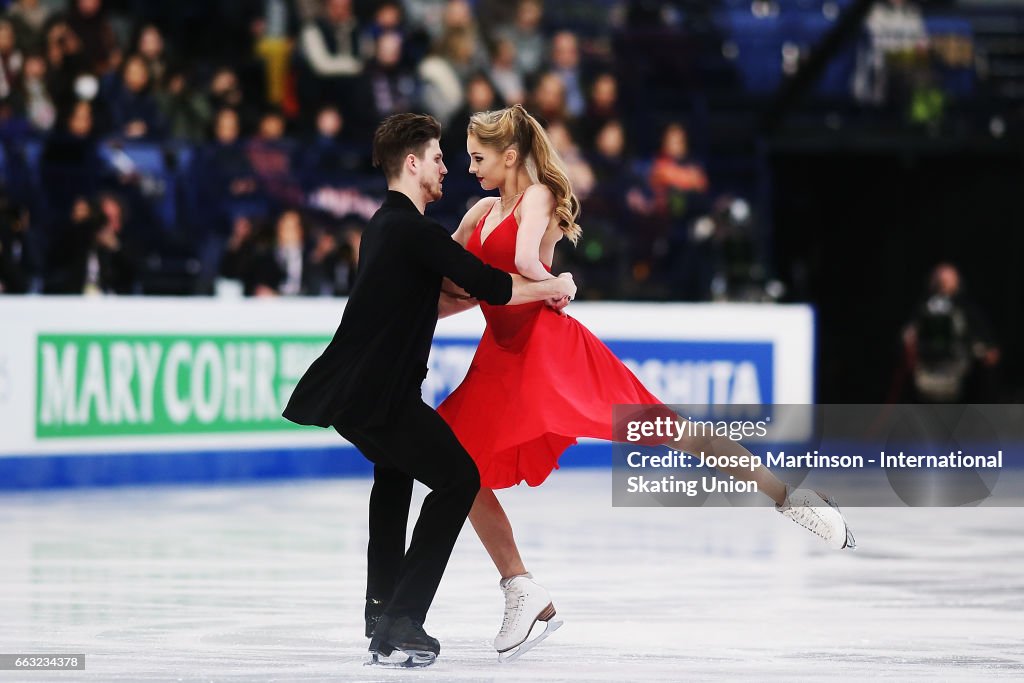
pixel 402 643
pixel 374 611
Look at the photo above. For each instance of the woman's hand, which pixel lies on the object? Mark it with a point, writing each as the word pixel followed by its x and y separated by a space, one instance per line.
pixel 557 304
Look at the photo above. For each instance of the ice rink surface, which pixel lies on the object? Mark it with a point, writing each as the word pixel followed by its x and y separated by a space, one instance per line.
pixel 265 583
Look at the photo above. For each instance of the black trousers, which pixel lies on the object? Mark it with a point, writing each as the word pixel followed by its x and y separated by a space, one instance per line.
pixel 417 445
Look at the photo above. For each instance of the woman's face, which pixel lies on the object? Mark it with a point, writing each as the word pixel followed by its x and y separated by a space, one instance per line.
pixel 610 141
pixel 227 127
pixel 136 75
pixel 151 43
pixel 289 230
pixel 6 37
pixel 550 93
pixel 479 95
pixel 80 123
pixel 486 163
pixel 674 144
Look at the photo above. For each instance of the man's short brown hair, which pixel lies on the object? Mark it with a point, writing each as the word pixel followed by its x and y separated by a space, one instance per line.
pixel 400 135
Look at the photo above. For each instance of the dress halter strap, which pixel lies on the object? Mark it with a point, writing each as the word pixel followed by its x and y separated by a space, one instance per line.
pixel 488 212
pixel 522 195
pixel 518 202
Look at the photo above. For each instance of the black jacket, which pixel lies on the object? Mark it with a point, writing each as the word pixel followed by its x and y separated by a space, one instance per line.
pixel 378 357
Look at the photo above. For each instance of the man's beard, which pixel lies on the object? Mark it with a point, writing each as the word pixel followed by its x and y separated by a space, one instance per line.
pixel 432 190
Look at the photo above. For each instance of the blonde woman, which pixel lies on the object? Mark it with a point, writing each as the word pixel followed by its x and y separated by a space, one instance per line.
pixel 539 378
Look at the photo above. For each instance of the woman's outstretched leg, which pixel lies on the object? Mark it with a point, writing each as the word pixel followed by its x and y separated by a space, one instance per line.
pixel 767 483
pixel 812 510
pixel 526 601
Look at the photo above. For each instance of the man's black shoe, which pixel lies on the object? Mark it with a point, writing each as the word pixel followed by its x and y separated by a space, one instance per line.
pixel 374 611
pixel 402 642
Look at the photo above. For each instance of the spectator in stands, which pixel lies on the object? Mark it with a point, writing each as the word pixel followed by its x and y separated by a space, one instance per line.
pixel 602 107
pixel 331 157
pixel 88 19
pixel 224 185
pixel 12 61
pixel 134 110
pixel 443 72
pixel 496 13
pixel 459 18
pixel 675 178
pixel 426 16
pixel 896 44
pixel 565 61
pixel 332 54
pixel 65 64
pixel 270 155
pixel 239 251
pixel 330 267
pixel 149 45
pixel 527 36
pixel 505 73
pixel 71 164
pixel 36 102
pixel 91 258
pixel 387 18
pixel 680 189
pixel 225 92
pixel 278 269
pixel 186 113
pixel 29 18
pixel 18 264
pixel 480 96
pixel 949 345
pixel 388 86
pixel 581 177
pixel 618 189
pixel 547 101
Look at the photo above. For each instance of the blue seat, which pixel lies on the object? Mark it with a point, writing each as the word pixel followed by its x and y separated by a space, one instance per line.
pixel 147 157
pixel 948 26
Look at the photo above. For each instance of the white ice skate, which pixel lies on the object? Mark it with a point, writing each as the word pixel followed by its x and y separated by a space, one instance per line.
pixel 526 603
pixel 820 515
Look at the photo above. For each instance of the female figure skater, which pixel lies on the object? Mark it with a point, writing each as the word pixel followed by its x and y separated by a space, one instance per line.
pixel 539 378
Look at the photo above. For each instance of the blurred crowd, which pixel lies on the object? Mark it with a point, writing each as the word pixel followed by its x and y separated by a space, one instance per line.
pixel 222 146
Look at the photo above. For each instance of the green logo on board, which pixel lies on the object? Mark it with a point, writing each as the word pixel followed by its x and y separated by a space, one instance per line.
pixel 107 385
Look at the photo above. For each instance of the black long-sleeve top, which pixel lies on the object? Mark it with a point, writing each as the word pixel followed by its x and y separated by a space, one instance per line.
pixel 378 357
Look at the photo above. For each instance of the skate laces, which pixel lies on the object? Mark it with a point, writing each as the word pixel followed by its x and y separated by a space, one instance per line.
pixel 513 605
pixel 804 512
pixel 513 602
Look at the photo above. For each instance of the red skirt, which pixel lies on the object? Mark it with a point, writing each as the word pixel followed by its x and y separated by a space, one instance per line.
pixel 538 381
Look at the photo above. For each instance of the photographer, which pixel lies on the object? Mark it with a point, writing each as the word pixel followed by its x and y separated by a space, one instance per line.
pixel 948 345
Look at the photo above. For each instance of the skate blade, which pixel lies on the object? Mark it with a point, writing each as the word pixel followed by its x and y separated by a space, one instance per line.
pixel 516 653
pixel 401 659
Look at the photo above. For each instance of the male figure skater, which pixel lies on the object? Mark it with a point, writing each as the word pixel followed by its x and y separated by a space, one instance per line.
pixel 366 384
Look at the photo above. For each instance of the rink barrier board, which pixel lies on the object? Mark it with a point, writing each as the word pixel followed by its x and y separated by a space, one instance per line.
pixel 69 419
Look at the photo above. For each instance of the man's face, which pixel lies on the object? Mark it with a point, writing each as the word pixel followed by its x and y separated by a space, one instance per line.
pixel 432 171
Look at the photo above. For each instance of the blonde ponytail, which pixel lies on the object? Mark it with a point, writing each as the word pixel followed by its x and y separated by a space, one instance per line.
pixel 514 126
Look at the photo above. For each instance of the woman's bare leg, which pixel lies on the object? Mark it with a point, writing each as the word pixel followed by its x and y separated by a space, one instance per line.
pixel 495 531
pixel 767 483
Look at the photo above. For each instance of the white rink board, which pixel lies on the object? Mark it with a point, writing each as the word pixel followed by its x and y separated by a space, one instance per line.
pixel 668 331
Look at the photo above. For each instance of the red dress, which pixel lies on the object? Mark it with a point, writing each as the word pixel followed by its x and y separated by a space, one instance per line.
pixel 537 382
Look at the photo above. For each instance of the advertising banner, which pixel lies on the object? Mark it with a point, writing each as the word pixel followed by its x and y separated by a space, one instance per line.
pixel 135 376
